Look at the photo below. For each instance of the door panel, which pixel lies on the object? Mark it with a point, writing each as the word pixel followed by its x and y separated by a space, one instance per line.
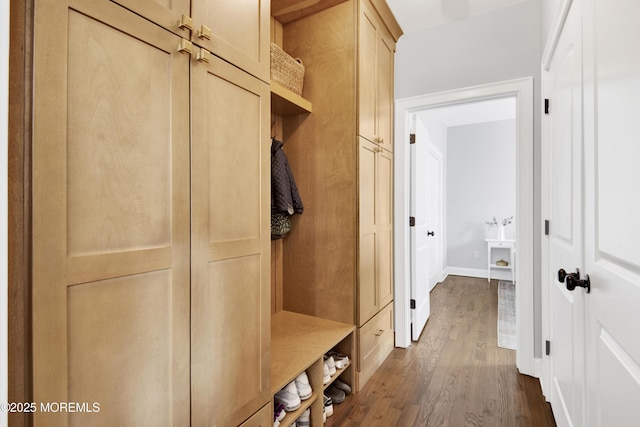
pixel 230 329
pixel 418 234
pixel 384 227
pixel 239 32
pixel 612 105
pixel 166 13
pixel 434 209
pixel 368 298
pixel 565 239
pixel 110 216
pixel 367 60
pixel 384 83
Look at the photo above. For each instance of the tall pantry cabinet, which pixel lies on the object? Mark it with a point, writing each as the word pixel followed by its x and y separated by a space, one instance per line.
pixel 150 249
pixel 337 261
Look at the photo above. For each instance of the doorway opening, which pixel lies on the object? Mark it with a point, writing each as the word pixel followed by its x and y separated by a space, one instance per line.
pixel 521 91
pixel 463 177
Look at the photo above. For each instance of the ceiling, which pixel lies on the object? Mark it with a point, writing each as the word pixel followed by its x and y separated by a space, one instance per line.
pixel 413 15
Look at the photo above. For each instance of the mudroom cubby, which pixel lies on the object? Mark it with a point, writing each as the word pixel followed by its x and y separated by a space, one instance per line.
pixel 298 344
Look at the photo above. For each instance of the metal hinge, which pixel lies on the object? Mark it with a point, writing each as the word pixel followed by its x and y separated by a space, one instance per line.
pixel 412 138
pixel 412 221
pixel 547 347
pixel 546 227
pixel 546 105
pixel 412 304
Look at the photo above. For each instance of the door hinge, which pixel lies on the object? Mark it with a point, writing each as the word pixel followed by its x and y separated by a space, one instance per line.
pixel 546 105
pixel 412 304
pixel 546 227
pixel 547 347
pixel 412 221
pixel 412 138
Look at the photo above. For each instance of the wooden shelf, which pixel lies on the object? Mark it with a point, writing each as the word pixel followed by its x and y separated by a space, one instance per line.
pixel 335 377
pixel 298 341
pixel 504 267
pixel 286 103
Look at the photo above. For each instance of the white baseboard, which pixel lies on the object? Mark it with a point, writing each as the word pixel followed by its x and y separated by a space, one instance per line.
pixel 477 272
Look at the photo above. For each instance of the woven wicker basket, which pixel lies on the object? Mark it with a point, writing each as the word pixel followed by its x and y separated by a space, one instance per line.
pixel 285 70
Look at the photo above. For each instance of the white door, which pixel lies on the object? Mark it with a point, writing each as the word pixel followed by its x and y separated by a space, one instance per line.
pixel 420 304
pixel 434 217
pixel 612 214
pixel 566 232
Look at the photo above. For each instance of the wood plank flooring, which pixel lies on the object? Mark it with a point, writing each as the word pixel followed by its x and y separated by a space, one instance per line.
pixel 455 375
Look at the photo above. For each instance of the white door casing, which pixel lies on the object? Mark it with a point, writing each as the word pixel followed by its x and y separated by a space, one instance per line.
pixel 612 214
pixel 522 89
pixel 420 268
pixel 566 228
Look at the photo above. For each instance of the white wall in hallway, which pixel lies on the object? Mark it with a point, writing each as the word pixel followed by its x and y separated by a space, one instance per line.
pixel 481 183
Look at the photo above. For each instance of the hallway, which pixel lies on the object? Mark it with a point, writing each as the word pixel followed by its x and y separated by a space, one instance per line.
pixel 455 375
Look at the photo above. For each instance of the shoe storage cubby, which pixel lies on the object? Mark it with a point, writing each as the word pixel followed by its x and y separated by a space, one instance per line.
pixel 298 344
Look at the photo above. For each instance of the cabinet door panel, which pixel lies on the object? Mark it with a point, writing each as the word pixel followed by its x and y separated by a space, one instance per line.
pixel 384 227
pixel 166 13
pixel 239 32
pixel 367 292
pixel 110 216
pixel 384 82
pixel 367 61
pixel 230 329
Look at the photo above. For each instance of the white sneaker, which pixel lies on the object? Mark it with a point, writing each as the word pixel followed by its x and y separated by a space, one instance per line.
pixel 288 396
pixel 341 360
pixel 326 377
pixel 331 363
pixel 328 406
pixel 304 420
pixel 303 386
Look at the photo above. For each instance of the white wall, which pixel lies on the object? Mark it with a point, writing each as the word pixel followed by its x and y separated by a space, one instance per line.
pixel 481 183
pixel 4 111
pixel 481 49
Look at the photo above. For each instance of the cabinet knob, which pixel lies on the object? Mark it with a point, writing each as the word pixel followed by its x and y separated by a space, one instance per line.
pixel 205 33
pixel 380 332
pixel 204 56
pixel 185 46
pixel 186 23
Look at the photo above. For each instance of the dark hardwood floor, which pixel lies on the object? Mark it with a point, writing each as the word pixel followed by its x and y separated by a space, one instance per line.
pixel 455 375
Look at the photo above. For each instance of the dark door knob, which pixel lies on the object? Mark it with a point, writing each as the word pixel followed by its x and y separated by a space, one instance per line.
pixel 431 233
pixel 573 281
pixel 562 275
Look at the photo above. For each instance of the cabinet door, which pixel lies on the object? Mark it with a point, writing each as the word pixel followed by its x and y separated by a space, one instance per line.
pixel 384 226
pixel 368 300
pixel 375 78
pixel 230 289
pixel 237 31
pixel 110 217
pixel 166 13
pixel 384 90
pixel 367 63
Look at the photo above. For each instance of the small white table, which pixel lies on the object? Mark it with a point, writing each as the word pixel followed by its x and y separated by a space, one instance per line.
pixel 509 244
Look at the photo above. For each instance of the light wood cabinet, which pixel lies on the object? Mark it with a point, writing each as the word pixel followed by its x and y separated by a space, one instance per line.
pixel 375 210
pixel 337 261
pixel 233 30
pixel 230 239
pixel 376 48
pixel 150 226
